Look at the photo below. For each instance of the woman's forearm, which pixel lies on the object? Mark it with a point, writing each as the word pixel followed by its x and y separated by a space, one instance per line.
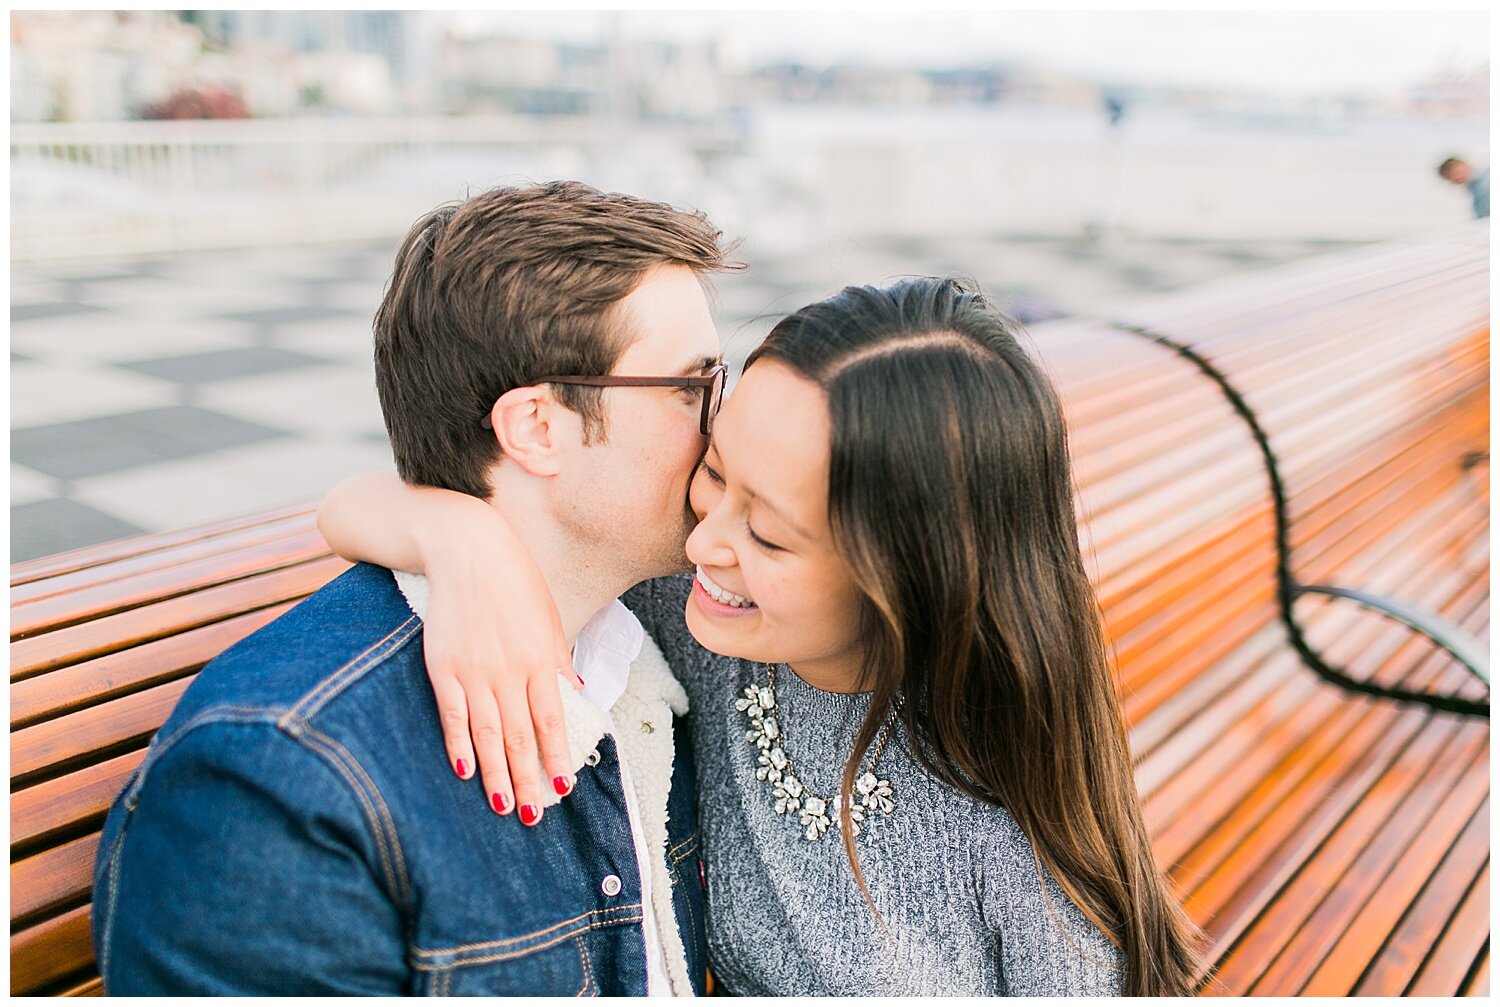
pixel 374 517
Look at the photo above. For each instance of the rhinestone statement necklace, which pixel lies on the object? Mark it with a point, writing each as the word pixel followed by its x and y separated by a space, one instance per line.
pixel 792 797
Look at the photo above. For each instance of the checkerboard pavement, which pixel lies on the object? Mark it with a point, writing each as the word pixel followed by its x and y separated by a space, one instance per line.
pixel 158 393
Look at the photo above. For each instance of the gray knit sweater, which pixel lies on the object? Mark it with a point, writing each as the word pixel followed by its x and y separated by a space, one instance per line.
pixel 953 878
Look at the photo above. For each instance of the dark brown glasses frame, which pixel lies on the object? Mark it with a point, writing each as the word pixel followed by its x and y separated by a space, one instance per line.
pixel 712 383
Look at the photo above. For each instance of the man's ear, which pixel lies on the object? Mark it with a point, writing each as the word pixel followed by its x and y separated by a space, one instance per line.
pixel 530 426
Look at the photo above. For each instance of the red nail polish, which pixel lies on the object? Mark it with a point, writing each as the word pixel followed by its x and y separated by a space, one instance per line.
pixel 461 768
pixel 500 803
pixel 530 814
pixel 561 784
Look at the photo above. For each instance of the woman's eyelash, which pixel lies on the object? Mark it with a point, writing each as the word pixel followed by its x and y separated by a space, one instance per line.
pixel 718 479
pixel 768 546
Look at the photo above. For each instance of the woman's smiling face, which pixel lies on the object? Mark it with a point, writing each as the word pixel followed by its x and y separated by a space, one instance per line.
pixel 770 584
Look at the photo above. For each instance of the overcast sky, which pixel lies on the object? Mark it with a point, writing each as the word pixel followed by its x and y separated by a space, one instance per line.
pixel 1266 50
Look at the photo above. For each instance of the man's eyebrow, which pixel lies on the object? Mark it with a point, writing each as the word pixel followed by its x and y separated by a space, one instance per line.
pixel 781 514
pixel 699 364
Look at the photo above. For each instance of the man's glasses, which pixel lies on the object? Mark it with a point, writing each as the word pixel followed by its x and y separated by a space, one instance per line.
pixel 712 384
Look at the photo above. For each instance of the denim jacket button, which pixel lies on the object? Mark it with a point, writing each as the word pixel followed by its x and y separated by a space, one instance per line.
pixel 593 758
pixel 611 885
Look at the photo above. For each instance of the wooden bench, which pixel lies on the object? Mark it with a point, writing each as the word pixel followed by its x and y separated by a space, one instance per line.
pixel 1329 843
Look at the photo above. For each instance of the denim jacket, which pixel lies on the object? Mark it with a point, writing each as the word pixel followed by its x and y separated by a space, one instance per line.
pixel 295 829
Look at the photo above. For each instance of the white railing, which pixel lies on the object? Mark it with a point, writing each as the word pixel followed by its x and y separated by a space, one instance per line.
pixel 805 179
pixel 127 188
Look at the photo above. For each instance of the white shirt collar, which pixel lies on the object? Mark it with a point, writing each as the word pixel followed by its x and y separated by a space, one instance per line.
pixel 607 646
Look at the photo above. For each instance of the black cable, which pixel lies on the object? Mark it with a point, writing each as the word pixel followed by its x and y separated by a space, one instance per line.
pixel 1287 589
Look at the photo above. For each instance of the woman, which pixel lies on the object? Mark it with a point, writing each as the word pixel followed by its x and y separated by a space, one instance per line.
pixel 914 777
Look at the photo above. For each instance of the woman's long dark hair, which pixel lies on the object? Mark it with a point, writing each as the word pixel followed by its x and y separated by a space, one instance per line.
pixel 951 501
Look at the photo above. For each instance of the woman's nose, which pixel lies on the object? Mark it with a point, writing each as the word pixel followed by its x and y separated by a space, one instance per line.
pixel 707 546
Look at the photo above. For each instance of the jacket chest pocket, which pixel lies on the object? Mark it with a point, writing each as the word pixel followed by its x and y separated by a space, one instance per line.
pixel 559 969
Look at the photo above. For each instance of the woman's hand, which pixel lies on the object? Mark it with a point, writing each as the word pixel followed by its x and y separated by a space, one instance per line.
pixel 495 647
pixel 492 635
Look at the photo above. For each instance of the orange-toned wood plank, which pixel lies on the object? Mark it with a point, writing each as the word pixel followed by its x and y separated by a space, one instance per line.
pixel 1443 973
pixel 1355 918
pixel 88 988
pixel 1395 965
pixel 153 622
pixel 72 740
pixel 259 535
pixel 109 552
pixel 68 802
pixel 49 951
pixel 52 878
pixel 1307 878
pixel 208 570
pixel 1478 984
pixel 68 690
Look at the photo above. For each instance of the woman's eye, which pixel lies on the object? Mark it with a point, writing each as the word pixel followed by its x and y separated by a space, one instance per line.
pixel 713 476
pixel 767 546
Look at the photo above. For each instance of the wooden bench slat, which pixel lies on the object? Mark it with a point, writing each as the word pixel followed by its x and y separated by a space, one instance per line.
pixel 68 802
pixel 52 878
pixel 121 549
pixel 1459 948
pixel 60 744
pixel 1410 940
pixel 1248 864
pixel 89 988
pixel 126 593
pixel 1241 764
pixel 1150 684
pixel 67 690
pixel 153 622
pixel 1138 694
pixel 1357 740
pixel 50 951
pixel 1478 983
pixel 1153 727
pixel 1426 764
pixel 1428 816
pixel 262 535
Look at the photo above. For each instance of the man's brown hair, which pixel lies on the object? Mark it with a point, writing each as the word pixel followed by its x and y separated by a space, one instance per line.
pixel 508 286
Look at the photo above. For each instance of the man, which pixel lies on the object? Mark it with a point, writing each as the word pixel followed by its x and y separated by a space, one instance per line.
pixel 1460 172
pixel 286 833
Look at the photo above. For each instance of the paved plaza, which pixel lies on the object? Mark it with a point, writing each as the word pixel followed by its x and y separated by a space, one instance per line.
pixel 160 393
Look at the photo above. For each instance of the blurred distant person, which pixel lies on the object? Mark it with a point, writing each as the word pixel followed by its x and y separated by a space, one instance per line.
pixel 1476 180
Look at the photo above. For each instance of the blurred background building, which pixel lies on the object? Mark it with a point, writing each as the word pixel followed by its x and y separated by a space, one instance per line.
pixel 204 204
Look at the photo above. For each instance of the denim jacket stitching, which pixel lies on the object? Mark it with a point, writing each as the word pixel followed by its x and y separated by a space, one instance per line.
pixel 687 900
pixel 325 690
pixel 605 918
pixel 588 966
pixel 213 715
pixel 210 715
pixel 505 956
pixel 681 851
pixel 381 823
pixel 109 909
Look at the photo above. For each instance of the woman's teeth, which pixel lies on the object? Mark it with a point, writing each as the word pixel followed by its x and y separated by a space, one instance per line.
pixel 718 594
